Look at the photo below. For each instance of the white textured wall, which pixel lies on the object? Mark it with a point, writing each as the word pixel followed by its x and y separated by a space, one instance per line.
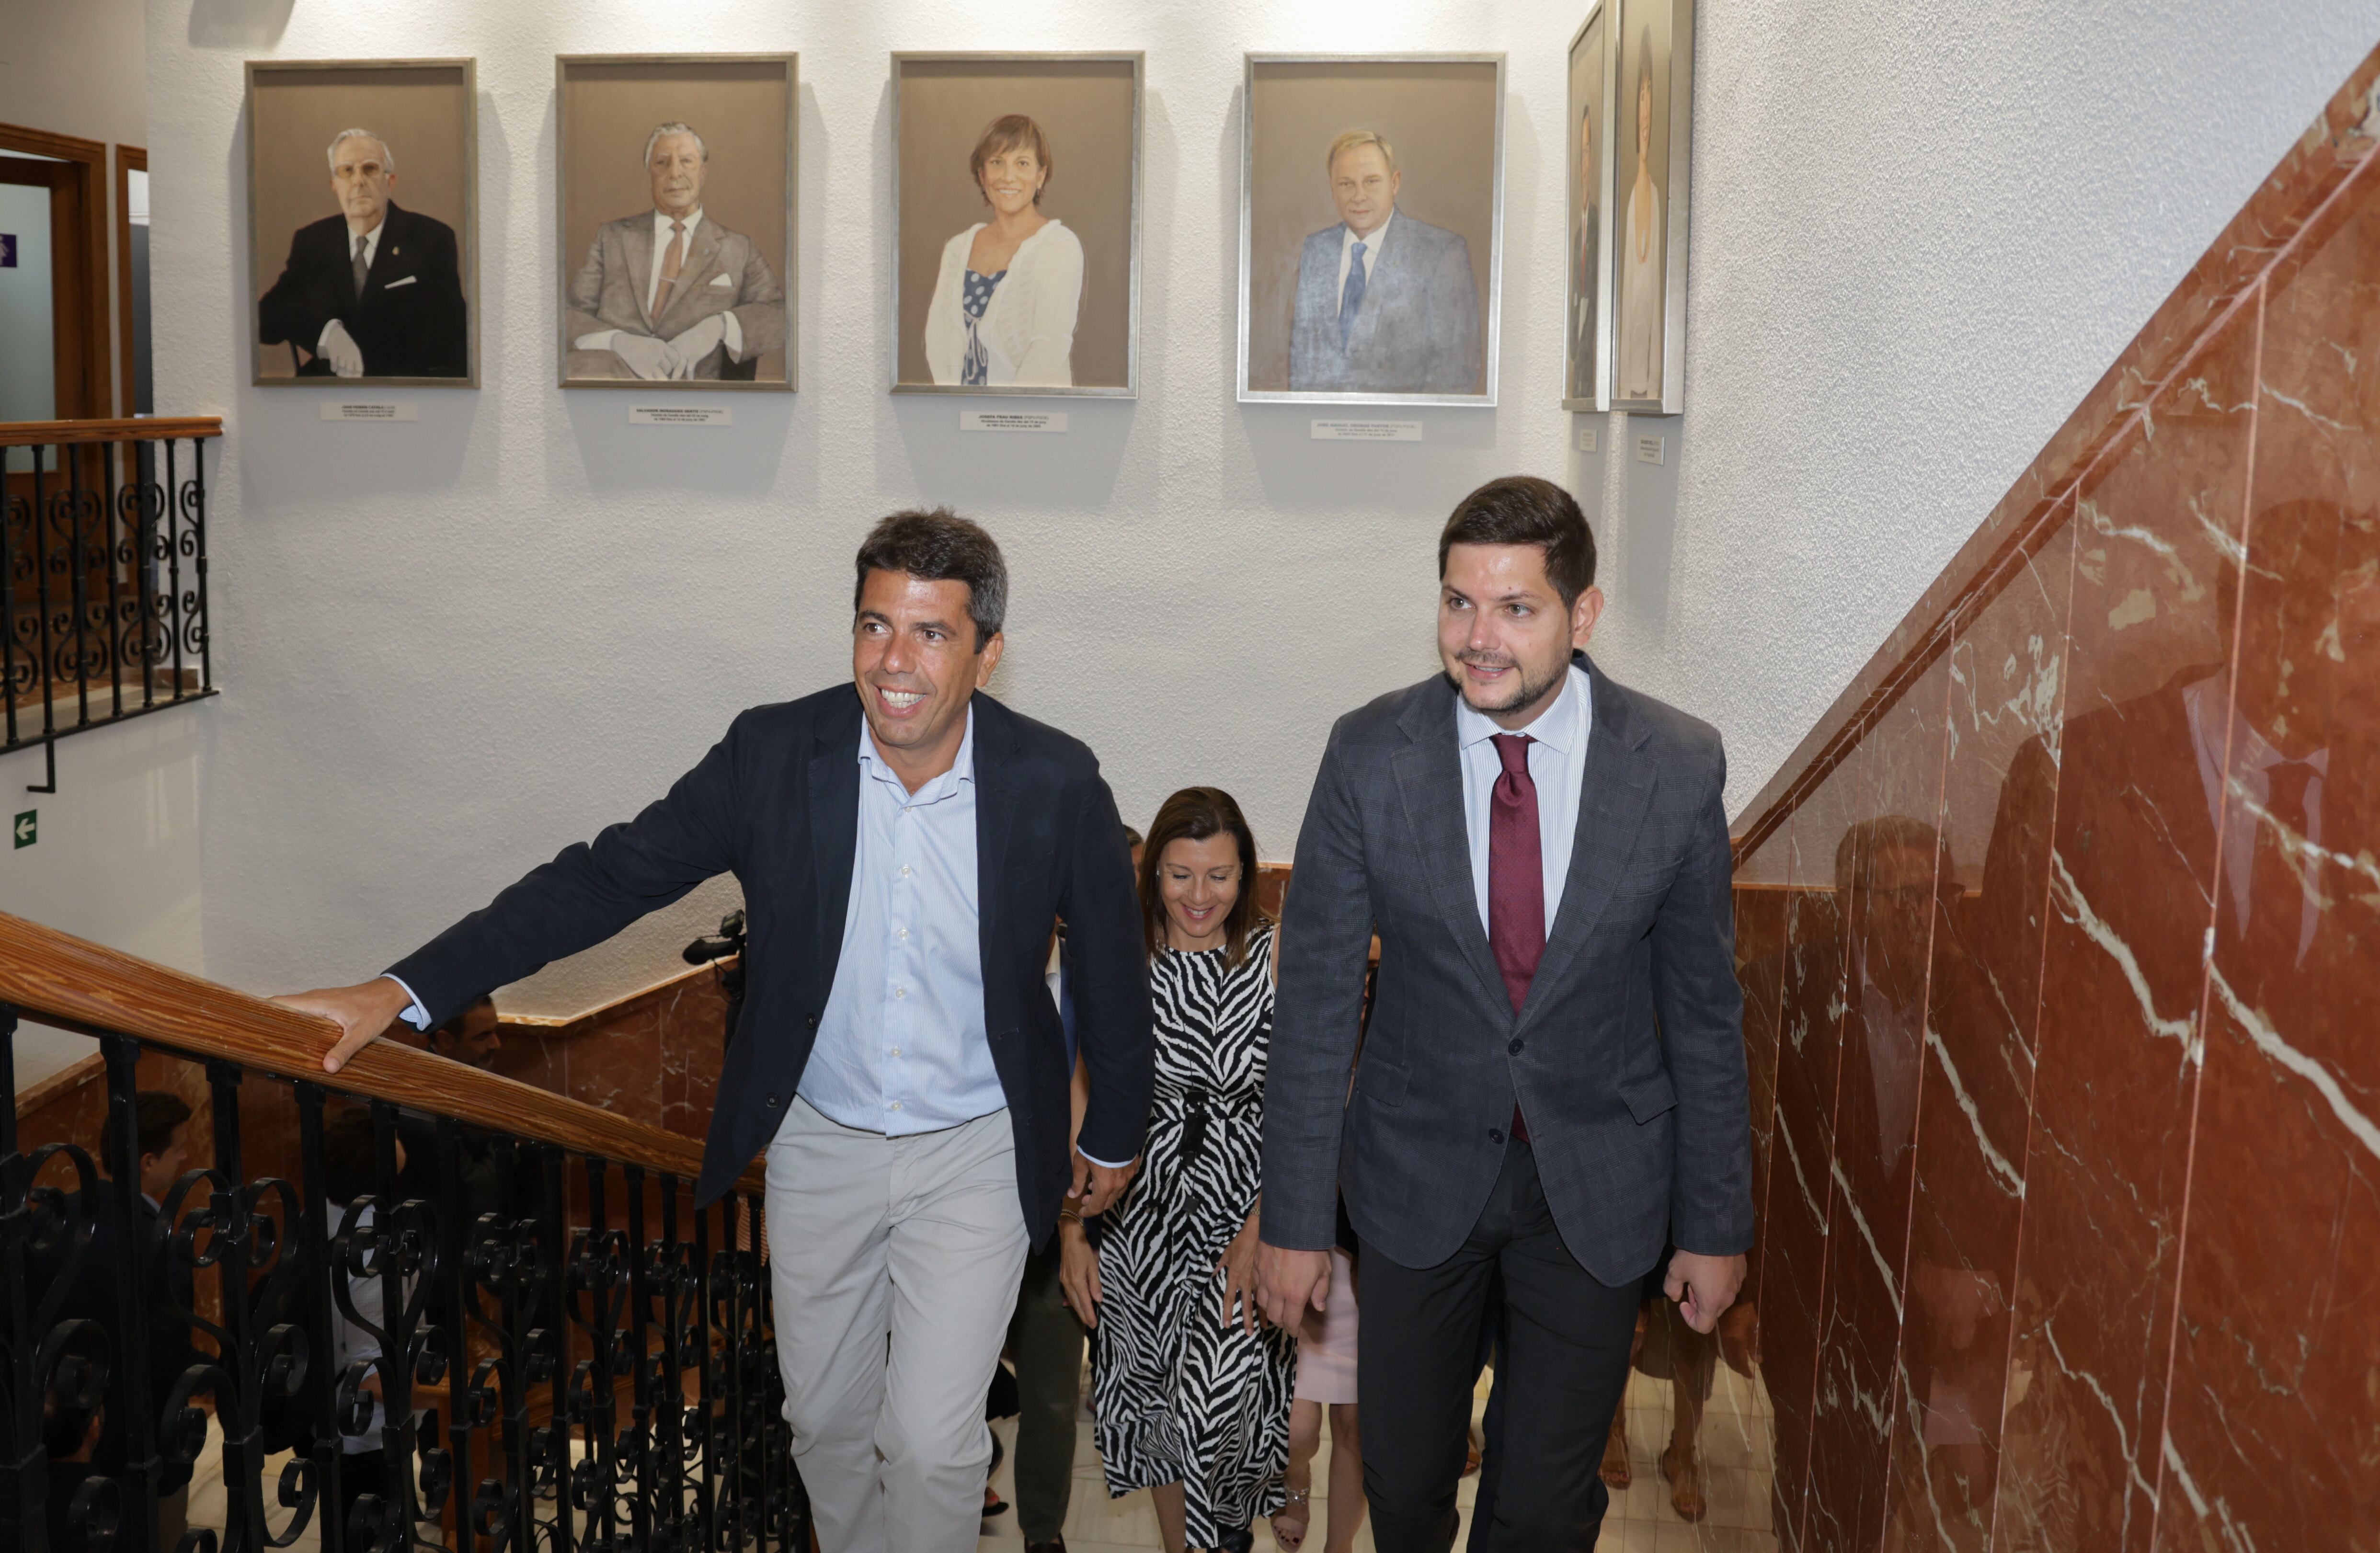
pixel 452 647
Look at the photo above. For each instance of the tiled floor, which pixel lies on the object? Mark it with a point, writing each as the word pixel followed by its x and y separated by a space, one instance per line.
pixel 1736 1466
pixel 1736 1438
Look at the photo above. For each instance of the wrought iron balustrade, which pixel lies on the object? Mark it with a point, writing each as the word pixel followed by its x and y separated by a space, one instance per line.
pixel 102 574
pixel 572 1357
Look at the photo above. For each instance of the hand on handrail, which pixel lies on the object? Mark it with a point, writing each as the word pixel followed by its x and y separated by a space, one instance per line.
pixel 363 1011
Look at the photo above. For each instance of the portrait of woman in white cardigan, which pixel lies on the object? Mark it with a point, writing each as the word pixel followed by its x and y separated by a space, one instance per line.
pixel 1010 288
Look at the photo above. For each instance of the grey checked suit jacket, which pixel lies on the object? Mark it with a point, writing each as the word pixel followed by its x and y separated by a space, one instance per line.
pixel 1417 330
pixel 609 290
pixel 1627 1058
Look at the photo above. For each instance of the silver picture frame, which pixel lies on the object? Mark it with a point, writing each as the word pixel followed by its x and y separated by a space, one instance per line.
pixel 1676 17
pixel 1490 267
pixel 1592 287
pixel 267 248
pixel 902 60
pixel 569 255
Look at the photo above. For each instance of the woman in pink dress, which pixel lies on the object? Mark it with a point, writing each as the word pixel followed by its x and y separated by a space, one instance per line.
pixel 1326 1379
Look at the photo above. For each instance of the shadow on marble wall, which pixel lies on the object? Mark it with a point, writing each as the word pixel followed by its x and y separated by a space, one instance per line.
pixel 2070 1185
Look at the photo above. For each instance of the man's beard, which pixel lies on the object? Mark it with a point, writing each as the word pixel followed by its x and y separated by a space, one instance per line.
pixel 1529 693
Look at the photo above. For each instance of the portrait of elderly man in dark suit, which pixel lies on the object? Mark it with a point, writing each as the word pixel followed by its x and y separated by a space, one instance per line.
pixel 376 290
pixel 1386 303
pixel 669 293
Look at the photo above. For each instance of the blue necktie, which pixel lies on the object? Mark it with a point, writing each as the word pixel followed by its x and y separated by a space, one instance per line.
pixel 1351 297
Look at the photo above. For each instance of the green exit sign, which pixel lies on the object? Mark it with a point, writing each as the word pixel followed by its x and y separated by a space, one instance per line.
pixel 25 827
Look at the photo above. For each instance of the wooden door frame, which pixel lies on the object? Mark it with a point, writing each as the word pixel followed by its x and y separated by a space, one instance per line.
pixel 128 160
pixel 85 387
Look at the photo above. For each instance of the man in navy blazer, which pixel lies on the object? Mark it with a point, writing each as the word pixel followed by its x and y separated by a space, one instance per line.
pixel 1386 304
pixel 374 291
pixel 903 851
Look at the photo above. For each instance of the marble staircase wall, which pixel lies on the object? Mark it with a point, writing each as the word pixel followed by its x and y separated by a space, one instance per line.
pixel 2069 1177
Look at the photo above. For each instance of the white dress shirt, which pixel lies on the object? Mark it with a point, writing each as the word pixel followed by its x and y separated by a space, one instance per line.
pixel 1556 764
pixel 1347 241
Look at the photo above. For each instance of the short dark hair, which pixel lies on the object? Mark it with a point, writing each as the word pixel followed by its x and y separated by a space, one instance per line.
pixel 938 545
pixel 157 1112
pixel 1131 837
pixel 1197 814
pixel 452 1026
pixel 1524 510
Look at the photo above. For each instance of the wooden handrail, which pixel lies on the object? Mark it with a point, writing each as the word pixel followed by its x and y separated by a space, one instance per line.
pixel 61 980
pixel 139 429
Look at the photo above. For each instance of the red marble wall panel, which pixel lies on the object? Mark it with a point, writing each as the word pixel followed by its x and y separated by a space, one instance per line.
pixel 2007 680
pixel 1889 874
pixel 2132 867
pixel 2273 1430
pixel 1793 1261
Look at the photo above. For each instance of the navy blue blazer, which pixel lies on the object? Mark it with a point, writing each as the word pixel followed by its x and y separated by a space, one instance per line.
pixel 777 803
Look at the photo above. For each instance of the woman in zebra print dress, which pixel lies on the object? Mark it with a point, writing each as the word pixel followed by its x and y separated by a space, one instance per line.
pixel 1190 1386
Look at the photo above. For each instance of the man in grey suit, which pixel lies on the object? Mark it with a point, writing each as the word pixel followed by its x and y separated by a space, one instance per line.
pixel 1552 1093
pixel 1386 304
pixel 670 293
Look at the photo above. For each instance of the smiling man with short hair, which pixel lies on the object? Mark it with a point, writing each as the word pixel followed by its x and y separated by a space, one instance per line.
pixel 1552 1099
pixel 1386 303
pixel 903 851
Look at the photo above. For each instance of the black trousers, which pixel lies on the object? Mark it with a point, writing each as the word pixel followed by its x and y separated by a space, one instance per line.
pixel 1561 1368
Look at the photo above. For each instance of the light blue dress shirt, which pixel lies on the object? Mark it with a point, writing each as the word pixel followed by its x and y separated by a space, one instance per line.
pixel 1556 764
pixel 901 1047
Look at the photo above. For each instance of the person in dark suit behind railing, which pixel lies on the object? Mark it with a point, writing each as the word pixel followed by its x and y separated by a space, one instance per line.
pixel 1386 302
pixel 374 291
pixel 162 1123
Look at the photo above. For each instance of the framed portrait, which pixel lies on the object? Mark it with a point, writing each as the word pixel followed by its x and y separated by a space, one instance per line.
pixel 1016 224
pixel 1371 223
pixel 1586 360
pixel 1652 135
pixel 677 203
pixel 363 221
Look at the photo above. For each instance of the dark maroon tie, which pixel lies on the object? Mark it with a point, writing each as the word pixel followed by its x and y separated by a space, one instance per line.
pixel 1516 879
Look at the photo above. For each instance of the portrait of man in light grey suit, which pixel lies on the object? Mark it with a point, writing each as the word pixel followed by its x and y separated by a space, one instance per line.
pixel 668 293
pixel 1386 303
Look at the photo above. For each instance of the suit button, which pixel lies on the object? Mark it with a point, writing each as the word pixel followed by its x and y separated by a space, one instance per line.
pixel 1495 1134
pixel 1515 1049
pixel 772 1102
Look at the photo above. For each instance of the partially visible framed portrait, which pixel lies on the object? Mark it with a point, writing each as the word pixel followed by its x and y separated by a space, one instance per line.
pixel 1371 220
pixel 677 200
pixel 1016 224
pixel 1587 361
pixel 1652 116
pixel 363 221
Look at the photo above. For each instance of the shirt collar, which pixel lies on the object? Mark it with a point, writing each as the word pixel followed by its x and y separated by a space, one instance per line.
pixel 662 220
pixel 1556 727
pixel 962 770
pixel 1371 241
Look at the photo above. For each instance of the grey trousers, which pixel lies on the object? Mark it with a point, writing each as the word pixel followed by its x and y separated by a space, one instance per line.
pixel 1045 1339
pixel 894 1265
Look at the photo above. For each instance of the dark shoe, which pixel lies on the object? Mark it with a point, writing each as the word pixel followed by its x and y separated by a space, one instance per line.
pixel 1240 1541
pixel 1055 1545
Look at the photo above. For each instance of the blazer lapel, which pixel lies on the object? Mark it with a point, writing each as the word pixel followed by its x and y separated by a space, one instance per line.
pixel 995 811
pixel 1429 784
pixel 834 829
pixel 637 240
pixel 1618 789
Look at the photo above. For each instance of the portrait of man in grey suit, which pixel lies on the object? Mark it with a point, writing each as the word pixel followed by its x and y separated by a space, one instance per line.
pixel 1386 303
pixel 668 293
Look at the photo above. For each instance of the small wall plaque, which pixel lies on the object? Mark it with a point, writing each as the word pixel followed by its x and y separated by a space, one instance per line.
pixel 681 415
pixel 1013 421
pixel 370 409
pixel 1364 430
pixel 1650 448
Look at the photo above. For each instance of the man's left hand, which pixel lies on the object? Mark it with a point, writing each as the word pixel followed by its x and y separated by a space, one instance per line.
pixel 1703 1286
pixel 1098 1187
pixel 687 350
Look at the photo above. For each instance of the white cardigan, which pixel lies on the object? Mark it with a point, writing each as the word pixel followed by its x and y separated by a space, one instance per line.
pixel 1028 329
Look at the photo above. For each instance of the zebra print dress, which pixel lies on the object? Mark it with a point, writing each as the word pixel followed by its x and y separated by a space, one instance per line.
pixel 1181 1394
